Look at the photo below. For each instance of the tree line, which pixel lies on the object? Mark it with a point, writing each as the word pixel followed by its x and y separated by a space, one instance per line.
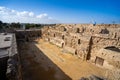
pixel 18 25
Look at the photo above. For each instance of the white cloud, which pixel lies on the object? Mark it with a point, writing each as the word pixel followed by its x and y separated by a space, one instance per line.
pixel 43 16
pixel 10 15
pixel 31 14
pixel 2 8
pixel 25 14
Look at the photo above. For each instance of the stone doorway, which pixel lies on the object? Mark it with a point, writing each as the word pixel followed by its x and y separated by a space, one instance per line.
pixel 48 39
pixel 27 39
pixel 75 52
pixel 99 61
pixel 63 37
pixel 62 45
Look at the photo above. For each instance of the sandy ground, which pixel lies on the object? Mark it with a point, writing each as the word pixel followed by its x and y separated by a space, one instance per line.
pixel 71 65
pixel 37 66
pixel 44 61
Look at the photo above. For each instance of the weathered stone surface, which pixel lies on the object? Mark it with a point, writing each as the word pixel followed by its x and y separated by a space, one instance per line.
pixel 88 42
pixel 92 77
pixel 11 64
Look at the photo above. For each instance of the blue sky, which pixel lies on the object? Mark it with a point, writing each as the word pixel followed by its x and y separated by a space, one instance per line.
pixel 60 11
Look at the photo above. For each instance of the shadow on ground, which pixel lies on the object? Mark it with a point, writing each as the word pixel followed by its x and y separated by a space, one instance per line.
pixel 36 65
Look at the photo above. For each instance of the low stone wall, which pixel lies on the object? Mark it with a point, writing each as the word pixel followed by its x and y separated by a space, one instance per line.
pixel 13 63
pixel 113 74
pixel 28 35
pixel 58 42
pixel 70 50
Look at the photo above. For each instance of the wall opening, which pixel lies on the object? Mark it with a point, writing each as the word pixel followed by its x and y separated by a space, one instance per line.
pixel 7 39
pixel 78 30
pixel 78 41
pixel 63 37
pixel 75 52
pixel 99 61
pixel 113 48
pixel 104 31
pixel 65 29
pixel 54 35
pixel 3 68
pixel 27 39
pixel 62 45
pixel 48 39
pixel 89 49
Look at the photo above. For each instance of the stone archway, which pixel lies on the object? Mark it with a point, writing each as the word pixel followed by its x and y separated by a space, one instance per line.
pixel 62 45
pixel 75 52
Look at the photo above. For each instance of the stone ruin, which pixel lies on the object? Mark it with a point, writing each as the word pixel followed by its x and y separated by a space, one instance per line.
pixel 10 65
pixel 98 44
pixel 28 35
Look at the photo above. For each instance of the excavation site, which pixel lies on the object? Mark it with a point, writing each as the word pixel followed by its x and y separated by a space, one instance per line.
pixel 61 52
pixel 59 39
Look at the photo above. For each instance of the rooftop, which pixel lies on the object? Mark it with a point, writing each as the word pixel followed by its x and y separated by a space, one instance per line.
pixel 27 30
pixel 5 40
pixel 3 53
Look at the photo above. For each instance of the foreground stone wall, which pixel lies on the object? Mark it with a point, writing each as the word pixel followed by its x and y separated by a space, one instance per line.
pixel 13 62
pixel 10 66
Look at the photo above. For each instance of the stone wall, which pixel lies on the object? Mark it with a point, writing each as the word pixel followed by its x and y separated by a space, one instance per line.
pixel 13 63
pixel 85 40
pixel 10 66
pixel 28 35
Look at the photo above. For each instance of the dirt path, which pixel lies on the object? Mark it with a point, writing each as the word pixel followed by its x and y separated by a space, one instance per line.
pixel 71 65
pixel 37 66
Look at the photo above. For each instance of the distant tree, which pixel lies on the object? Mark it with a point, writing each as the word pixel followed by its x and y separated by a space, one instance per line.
pixel 5 25
pixel 28 26
pixel 1 23
pixel 15 25
pixel 38 25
